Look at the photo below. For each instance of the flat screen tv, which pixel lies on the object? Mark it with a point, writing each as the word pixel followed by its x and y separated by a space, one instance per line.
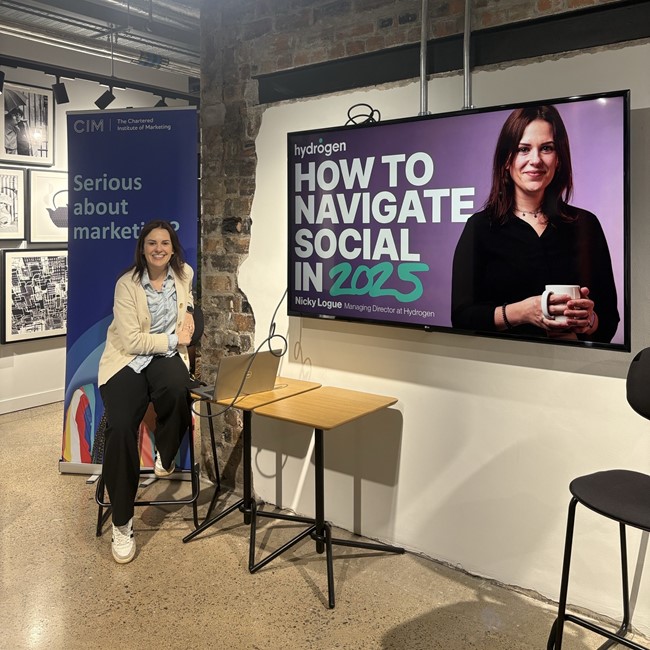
pixel 467 222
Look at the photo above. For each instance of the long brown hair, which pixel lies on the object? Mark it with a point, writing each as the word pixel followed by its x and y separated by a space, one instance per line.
pixel 140 263
pixel 501 200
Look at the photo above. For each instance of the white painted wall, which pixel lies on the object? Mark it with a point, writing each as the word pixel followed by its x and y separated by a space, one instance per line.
pixel 33 372
pixel 472 466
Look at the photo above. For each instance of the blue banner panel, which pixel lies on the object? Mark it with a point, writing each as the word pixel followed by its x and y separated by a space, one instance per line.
pixel 125 168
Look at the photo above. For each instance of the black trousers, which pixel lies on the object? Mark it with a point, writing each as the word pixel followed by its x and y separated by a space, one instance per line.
pixel 126 397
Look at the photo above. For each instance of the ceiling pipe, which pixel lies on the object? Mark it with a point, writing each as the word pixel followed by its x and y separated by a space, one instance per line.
pixel 467 70
pixel 424 97
pixel 166 11
pixel 94 48
pixel 172 20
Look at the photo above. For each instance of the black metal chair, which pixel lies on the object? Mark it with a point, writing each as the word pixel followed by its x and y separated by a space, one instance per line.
pixel 148 473
pixel 618 494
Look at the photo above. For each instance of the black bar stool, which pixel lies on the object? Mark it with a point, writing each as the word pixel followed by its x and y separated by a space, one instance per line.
pixel 194 471
pixel 618 494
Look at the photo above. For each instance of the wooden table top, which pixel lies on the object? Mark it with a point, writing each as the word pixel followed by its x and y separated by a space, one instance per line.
pixel 326 407
pixel 284 387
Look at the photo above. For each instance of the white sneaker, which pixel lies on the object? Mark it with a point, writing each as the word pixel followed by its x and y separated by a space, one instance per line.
pixel 123 543
pixel 160 471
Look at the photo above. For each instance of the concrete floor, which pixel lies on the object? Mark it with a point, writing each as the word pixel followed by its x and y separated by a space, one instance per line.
pixel 62 590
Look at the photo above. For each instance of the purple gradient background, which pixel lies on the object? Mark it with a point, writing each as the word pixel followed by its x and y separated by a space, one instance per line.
pixel 462 147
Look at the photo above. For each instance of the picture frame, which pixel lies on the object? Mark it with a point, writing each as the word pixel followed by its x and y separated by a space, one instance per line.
pixel 27 121
pixel 35 294
pixel 48 206
pixel 12 203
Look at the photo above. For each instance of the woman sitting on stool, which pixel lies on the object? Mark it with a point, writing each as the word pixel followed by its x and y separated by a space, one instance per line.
pixel 145 359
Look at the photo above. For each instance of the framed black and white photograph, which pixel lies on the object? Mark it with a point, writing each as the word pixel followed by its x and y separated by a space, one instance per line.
pixel 28 125
pixel 35 294
pixel 48 206
pixel 12 203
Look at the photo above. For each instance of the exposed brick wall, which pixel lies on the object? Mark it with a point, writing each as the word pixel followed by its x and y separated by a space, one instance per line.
pixel 243 38
pixel 281 34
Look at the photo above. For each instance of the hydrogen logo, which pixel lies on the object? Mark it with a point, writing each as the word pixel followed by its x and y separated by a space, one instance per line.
pixel 320 147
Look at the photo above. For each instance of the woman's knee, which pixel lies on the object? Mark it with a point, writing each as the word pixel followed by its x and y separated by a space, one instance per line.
pixel 171 399
pixel 170 382
pixel 125 398
pixel 122 425
pixel 123 417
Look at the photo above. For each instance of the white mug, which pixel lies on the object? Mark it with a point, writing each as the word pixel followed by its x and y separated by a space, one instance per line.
pixel 572 290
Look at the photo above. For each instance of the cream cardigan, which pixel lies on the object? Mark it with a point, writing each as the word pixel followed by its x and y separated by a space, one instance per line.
pixel 128 335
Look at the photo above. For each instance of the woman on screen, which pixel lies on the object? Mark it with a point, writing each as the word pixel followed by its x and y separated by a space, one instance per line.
pixel 528 236
pixel 145 359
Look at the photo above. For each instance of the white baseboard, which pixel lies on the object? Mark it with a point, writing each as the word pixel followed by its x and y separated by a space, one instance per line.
pixel 30 401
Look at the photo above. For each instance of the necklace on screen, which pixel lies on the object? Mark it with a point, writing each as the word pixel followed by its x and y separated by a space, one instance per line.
pixel 531 213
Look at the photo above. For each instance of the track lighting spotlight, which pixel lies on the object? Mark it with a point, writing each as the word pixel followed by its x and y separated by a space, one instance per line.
pixel 60 92
pixel 161 102
pixel 105 99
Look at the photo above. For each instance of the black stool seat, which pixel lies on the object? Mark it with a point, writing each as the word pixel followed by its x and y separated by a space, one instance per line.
pixel 619 494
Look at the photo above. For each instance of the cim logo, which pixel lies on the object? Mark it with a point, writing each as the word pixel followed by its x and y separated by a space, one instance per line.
pixel 88 126
pixel 320 147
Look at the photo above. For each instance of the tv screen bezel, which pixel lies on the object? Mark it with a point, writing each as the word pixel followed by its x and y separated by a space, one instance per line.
pixel 625 346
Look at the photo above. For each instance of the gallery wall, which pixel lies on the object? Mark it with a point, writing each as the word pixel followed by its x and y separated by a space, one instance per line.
pixel 472 465
pixel 32 371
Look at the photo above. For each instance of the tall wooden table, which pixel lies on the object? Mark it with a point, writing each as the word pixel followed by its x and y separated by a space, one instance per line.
pixel 321 409
pixel 284 388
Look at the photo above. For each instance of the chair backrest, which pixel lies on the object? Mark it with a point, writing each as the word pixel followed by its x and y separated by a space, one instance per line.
pixel 199 325
pixel 638 383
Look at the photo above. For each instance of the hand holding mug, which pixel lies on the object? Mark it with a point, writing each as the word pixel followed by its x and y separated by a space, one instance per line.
pixel 581 314
pixel 555 300
pixel 567 306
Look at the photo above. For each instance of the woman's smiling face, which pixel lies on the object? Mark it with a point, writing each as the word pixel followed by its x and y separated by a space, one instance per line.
pixel 534 163
pixel 158 249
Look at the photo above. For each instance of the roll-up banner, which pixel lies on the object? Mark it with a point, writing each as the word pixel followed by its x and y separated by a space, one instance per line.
pixel 125 168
